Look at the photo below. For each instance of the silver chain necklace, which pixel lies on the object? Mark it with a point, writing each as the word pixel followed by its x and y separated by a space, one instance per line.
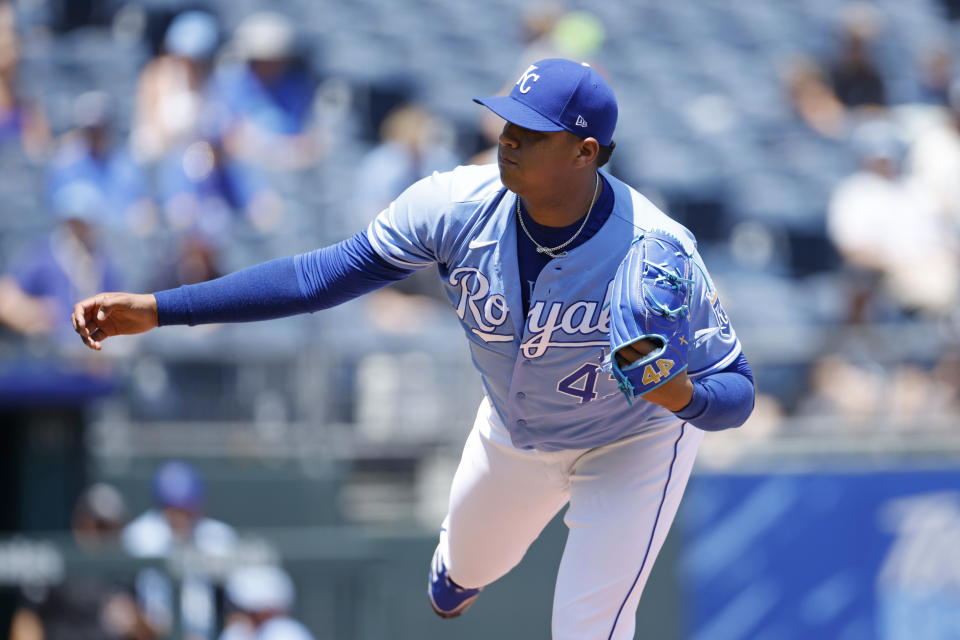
pixel 552 251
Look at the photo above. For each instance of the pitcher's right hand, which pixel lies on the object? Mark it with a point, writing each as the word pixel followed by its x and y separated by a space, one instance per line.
pixel 113 314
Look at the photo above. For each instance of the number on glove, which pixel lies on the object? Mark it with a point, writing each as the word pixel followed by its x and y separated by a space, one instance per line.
pixel 650 375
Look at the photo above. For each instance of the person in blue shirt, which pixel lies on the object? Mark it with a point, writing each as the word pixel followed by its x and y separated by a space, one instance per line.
pixel 262 103
pixel 88 156
pixel 203 191
pixel 39 290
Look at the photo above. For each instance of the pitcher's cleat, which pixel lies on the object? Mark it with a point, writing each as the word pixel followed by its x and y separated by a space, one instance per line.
pixel 447 598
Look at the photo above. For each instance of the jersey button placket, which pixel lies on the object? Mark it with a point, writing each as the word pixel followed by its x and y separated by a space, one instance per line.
pixel 521 395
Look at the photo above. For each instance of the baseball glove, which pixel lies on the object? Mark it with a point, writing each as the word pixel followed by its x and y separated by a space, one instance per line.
pixel 651 300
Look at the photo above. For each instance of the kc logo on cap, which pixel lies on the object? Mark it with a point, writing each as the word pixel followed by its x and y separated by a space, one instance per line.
pixel 528 76
pixel 556 95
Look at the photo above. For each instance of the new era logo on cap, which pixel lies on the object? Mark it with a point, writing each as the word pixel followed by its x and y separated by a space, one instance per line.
pixel 556 95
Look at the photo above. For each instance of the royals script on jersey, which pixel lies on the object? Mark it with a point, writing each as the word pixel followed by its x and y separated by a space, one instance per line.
pixel 542 372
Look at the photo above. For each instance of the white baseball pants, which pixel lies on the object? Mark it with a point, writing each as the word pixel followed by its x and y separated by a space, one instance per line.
pixel 623 498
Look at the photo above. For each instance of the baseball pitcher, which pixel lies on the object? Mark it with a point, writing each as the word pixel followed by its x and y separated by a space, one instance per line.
pixel 598 334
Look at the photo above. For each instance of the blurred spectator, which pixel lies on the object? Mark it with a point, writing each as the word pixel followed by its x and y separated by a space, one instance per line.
pixel 170 91
pixel 842 393
pixel 537 25
pixel 854 75
pixel 203 194
pixel 84 608
pixel 98 517
pixel 946 375
pixel 812 99
pixel 935 75
pixel 551 32
pixel 263 597
pixel 887 231
pixel 36 298
pixel 179 494
pixel 202 190
pixel 21 122
pixel 192 260
pixel 263 103
pixel 934 160
pixel 766 423
pixel 87 156
pixel 177 524
pixel 913 395
pixel 860 394
pixel 413 144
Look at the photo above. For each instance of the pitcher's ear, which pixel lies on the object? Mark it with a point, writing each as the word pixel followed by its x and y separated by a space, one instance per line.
pixel 588 151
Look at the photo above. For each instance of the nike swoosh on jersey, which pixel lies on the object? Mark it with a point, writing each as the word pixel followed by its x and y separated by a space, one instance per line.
pixel 479 244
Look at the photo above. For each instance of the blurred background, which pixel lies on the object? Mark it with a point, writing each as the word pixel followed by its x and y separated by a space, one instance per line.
pixel 286 480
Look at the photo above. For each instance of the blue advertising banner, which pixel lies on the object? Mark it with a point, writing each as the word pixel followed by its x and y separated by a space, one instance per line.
pixel 840 556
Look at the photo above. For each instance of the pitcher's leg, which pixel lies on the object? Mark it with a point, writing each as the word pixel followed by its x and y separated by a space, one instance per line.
pixel 623 499
pixel 500 500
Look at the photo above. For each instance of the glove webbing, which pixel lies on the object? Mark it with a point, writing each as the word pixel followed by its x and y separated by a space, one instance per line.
pixel 672 279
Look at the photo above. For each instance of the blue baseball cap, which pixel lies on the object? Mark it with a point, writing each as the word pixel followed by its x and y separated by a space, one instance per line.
pixel 559 95
pixel 178 484
pixel 193 34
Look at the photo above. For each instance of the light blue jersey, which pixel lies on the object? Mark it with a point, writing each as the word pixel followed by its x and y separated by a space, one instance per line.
pixel 542 373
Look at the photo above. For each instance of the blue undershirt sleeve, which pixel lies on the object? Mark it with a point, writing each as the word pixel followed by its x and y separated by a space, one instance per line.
pixel 283 287
pixel 721 400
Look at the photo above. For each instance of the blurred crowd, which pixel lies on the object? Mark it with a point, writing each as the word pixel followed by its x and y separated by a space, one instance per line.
pixel 235 141
pixel 894 222
pixel 239 600
pixel 190 167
